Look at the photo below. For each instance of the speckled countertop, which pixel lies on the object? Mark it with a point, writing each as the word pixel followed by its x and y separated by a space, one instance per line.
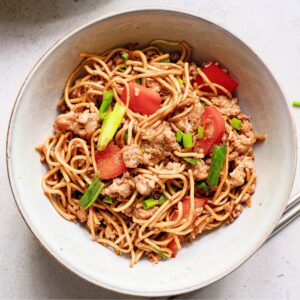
pixel 29 28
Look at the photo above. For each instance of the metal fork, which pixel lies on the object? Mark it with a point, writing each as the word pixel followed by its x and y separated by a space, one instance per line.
pixel 291 212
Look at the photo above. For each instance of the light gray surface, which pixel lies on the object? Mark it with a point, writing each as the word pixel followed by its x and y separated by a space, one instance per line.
pixel 28 28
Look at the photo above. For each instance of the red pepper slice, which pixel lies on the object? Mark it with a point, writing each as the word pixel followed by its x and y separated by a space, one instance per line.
pixel 216 75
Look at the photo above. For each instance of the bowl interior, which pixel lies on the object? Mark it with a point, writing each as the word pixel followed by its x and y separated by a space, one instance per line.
pixel 210 256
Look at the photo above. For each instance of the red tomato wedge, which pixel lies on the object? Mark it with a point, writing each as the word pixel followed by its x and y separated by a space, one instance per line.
pixel 216 75
pixel 141 99
pixel 110 162
pixel 214 127
pixel 198 202
pixel 173 247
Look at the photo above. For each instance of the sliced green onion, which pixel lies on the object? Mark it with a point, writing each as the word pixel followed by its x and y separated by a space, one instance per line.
pixel 108 200
pixel 162 199
pixel 143 148
pixel 236 123
pixel 106 101
pixel 203 104
pixel 110 125
pixel 296 103
pixel 180 81
pixel 165 60
pixel 192 161
pixel 122 68
pixel 217 162
pixel 161 254
pixel 126 136
pixel 202 185
pixel 91 194
pixel 179 135
pixel 149 203
pixel 187 139
pixel 125 56
pixel 200 132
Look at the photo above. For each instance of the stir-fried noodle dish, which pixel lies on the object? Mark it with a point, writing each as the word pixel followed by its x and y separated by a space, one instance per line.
pixel 150 149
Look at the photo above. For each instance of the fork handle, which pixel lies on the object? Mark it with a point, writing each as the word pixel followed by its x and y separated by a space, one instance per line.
pixel 292 211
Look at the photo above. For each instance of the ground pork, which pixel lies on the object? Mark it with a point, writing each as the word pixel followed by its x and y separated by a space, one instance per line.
pixel 144 185
pixel 200 171
pixel 242 143
pixel 120 187
pixel 153 85
pixel 193 71
pixel 166 141
pixel 260 137
pixel 152 156
pixel 156 87
pixel 82 124
pixel 128 211
pixel 246 126
pixel 172 166
pixel 227 106
pixel 144 214
pixel 237 210
pixel 81 214
pixel 238 175
pixel 110 232
pixel 192 120
pixel 132 156
pixel 160 146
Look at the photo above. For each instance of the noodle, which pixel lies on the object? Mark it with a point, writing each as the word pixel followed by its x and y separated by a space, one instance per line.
pixel 124 224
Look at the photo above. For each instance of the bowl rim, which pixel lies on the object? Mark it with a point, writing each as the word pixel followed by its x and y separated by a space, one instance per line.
pixel 12 181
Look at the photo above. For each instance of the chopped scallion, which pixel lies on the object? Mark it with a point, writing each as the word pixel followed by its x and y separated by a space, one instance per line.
pixel 191 160
pixel 126 136
pixel 217 162
pixel 165 60
pixel 108 200
pixel 122 68
pixel 202 185
pixel 200 132
pixel 91 194
pixel 296 103
pixel 161 254
pixel 149 203
pixel 110 125
pixel 180 81
pixel 125 56
pixel 143 148
pixel 106 101
pixel 162 199
pixel 236 123
pixel 179 135
pixel 187 139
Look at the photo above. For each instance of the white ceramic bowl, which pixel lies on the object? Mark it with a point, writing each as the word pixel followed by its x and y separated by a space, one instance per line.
pixel 211 256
